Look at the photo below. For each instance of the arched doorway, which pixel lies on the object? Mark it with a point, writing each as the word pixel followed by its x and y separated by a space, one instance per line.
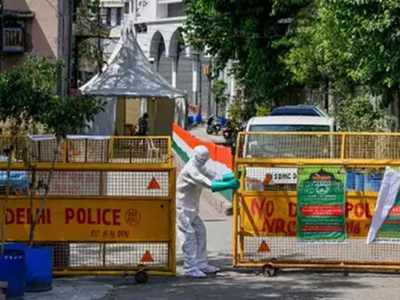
pixel 183 63
pixel 157 53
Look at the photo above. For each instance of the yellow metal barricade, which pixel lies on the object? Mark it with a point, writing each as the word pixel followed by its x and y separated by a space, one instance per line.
pixel 111 203
pixel 265 207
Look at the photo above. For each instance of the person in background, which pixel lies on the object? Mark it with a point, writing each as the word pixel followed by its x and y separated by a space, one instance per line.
pixel 143 125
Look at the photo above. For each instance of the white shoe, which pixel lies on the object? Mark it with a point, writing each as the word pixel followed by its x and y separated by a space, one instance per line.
pixel 210 269
pixel 196 273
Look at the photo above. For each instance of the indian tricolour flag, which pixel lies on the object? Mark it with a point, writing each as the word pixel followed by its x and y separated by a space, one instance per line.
pixel 183 145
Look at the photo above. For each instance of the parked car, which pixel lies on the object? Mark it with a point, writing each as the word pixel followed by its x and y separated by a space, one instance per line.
pixel 298 119
pixel 298 110
pixel 290 124
pixel 279 146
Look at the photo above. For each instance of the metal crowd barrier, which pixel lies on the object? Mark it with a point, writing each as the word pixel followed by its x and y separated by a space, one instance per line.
pixel 265 224
pixel 111 203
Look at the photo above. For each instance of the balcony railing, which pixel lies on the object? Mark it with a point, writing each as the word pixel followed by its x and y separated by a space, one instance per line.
pixel 112 3
pixel 169 1
pixel 13 38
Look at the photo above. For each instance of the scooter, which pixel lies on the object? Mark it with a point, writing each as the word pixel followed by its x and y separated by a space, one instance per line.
pixel 214 125
pixel 230 132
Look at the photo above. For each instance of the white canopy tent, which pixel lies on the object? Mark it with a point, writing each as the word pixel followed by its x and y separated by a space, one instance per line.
pixel 129 74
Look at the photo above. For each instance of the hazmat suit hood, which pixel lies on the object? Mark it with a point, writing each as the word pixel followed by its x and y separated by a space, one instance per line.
pixel 200 156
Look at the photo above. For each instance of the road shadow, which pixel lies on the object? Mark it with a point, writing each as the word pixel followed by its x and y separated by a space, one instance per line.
pixel 245 283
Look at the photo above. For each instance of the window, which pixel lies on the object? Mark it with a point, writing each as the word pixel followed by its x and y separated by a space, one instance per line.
pixel 126 7
pixel 141 28
pixel 119 15
pixel 176 10
pixel 108 18
pixel 103 15
pixel 13 40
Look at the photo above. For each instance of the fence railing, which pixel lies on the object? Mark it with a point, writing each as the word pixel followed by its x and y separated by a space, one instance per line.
pixel 266 208
pixel 110 207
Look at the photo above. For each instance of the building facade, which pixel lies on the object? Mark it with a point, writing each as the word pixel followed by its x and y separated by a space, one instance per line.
pixel 158 25
pixel 31 27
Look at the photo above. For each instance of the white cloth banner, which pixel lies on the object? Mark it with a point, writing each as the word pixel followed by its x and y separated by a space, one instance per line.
pixel 386 198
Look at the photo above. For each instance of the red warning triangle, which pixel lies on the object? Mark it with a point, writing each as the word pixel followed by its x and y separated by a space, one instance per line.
pixel 153 185
pixel 147 257
pixel 263 247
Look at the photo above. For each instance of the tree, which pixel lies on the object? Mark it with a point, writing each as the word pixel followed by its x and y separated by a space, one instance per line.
pixel 370 33
pixel 25 91
pixel 350 44
pixel 89 33
pixel 27 98
pixel 253 33
pixel 358 114
pixel 218 90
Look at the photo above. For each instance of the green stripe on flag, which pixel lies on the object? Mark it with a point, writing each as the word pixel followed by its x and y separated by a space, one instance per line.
pixel 228 194
pixel 182 154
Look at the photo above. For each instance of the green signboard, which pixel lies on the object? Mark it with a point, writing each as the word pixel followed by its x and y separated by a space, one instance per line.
pixel 321 203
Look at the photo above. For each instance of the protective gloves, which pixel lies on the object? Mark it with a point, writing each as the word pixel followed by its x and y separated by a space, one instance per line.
pixel 220 185
pixel 228 176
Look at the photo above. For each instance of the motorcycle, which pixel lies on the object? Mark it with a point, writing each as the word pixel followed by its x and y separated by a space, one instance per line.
pixel 230 132
pixel 214 125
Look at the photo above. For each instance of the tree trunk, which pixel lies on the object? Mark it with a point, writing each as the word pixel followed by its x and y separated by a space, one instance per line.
pixel 326 95
pixel 45 194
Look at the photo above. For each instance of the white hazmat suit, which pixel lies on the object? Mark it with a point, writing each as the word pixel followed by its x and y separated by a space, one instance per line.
pixel 191 229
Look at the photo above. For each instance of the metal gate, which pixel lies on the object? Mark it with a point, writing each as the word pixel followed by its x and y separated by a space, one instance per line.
pixel 265 227
pixel 111 203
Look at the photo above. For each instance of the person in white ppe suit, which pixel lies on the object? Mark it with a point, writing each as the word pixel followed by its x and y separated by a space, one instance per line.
pixel 191 230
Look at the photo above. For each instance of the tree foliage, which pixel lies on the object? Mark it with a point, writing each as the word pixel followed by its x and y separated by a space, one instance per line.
pixel 218 90
pixel 358 114
pixel 25 91
pixel 371 38
pixel 347 48
pixel 74 113
pixel 253 33
pixel 28 96
pixel 88 31
pixel 350 43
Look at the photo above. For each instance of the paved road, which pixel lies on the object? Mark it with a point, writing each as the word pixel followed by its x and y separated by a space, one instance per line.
pixel 200 132
pixel 242 285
